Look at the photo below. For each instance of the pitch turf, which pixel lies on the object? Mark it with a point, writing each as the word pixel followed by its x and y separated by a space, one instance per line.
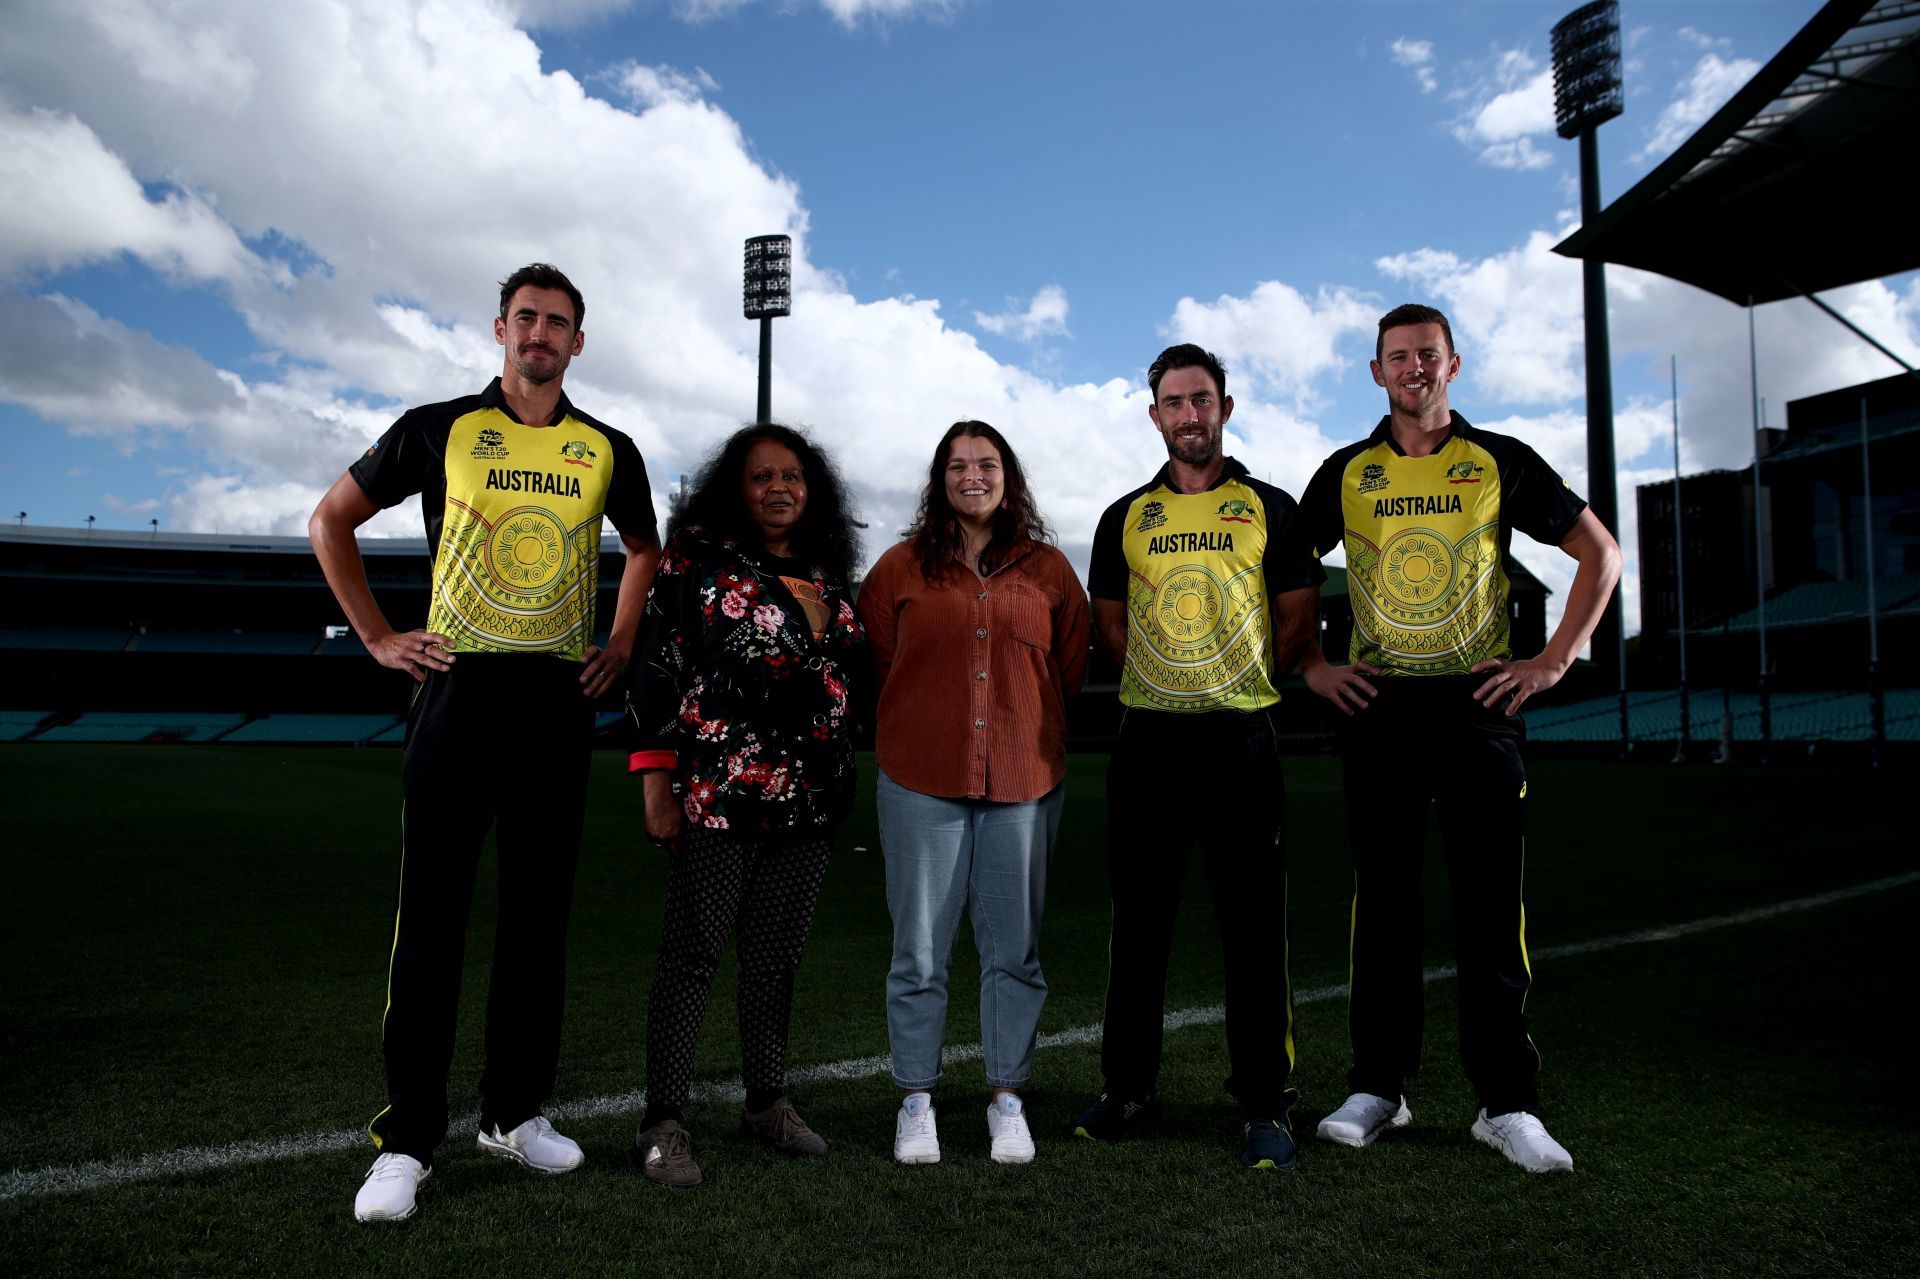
pixel 195 948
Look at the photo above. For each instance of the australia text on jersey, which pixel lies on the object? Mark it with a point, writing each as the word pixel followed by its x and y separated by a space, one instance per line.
pixel 533 482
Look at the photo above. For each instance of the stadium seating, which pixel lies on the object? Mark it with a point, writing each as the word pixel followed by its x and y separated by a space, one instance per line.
pixel 88 639
pixel 16 726
pixel 291 643
pixel 1797 717
pixel 288 729
pixel 141 726
pixel 1825 603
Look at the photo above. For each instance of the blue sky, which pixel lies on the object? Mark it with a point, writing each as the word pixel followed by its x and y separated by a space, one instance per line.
pixel 239 238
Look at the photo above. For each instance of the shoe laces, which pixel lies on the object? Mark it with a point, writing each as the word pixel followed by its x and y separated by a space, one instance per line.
pixel 1522 1123
pixel 675 1143
pixel 388 1167
pixel 917 1125
pixel 786 1121
pixel 536 1128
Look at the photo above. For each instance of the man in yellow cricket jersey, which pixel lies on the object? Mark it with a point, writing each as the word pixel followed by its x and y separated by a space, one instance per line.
pixel 1426 507
pixel 1185 569
pixel 513 484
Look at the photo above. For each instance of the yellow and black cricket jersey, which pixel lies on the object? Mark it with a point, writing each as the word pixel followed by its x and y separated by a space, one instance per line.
pixel 1427 541
pixel 1196 572
pixel 513 516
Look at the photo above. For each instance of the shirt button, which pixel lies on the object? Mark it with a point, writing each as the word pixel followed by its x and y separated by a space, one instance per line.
pixel 979 723
pixel 982 595
pixel 981 633
pixel 979 674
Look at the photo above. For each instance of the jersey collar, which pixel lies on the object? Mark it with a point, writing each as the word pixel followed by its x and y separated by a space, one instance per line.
pixel 494 398
pixel 1233 470
pixel 1458 428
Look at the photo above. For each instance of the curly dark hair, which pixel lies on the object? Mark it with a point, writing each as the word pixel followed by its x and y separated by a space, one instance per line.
pixel 713 509
pixel 935 531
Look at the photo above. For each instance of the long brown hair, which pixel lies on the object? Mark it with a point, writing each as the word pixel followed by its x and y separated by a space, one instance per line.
pixel 935 531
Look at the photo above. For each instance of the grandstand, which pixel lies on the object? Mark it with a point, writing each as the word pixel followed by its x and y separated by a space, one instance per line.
pixel 1816 520
pixel 1654 717
pixel 198 638
pixel 188 637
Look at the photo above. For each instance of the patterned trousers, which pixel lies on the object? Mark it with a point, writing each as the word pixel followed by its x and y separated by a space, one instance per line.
pixel 760 890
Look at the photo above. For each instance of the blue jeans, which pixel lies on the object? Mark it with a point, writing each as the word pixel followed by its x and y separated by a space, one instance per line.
pixel 990 860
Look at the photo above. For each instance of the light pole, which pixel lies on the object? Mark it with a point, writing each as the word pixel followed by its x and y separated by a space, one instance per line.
pixel 1586 94
pixel 1679 567
pixel 767 293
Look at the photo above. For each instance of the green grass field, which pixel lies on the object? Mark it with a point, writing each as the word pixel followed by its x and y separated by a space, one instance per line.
pixel 195 959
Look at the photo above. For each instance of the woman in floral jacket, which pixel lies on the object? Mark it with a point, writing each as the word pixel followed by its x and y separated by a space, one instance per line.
pixel 743 712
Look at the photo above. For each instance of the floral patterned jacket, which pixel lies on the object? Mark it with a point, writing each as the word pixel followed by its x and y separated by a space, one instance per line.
pixel 732 691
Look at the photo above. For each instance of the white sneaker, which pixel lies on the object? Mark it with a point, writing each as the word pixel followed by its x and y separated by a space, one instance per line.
pixel 391 1188
pixel 534 1145
pixel 1007 1125
pixel 1522 1138
pixel 1363 1117
pixel 916 1140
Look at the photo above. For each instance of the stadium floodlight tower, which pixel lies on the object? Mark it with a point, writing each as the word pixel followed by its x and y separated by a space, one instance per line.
pixel 1586 94
pixel 766 294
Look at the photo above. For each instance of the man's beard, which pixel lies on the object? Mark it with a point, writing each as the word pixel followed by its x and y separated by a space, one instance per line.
pixel 538 376
pixel 1198 453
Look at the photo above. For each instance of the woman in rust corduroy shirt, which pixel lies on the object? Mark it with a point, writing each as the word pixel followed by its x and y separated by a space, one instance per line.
pixel 979 636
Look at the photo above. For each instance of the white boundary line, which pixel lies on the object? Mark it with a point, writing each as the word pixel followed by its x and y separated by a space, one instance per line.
pixel 77 1178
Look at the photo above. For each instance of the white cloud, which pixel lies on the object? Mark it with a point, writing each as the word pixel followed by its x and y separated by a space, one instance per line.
pixel 1518 154
pixel 1701 40
pixel 563 14
pixel 237 504
pixel 851 12
pixel 70 201
pixel 68 363
pixel 1508 102
pixel 1705 90
pixel 698 11
pixel 1516 315
pixel 1517 113
pixel 201 61
pixel 397 310
pixel 1283 340
pixel 117 388
pixel 1044 317
pixel 120 506
pixel 653 86
pixel 1417 57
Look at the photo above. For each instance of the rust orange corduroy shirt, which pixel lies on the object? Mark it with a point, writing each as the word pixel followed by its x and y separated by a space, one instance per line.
pixel 975 674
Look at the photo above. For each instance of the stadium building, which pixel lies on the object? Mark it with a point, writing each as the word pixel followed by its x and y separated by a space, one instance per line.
pixel 204 637
pixel 1814 556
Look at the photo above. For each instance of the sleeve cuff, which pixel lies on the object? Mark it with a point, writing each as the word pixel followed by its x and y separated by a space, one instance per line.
pixel 641 761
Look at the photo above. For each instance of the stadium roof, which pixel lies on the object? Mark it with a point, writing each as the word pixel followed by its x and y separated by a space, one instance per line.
pixel 1790 187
